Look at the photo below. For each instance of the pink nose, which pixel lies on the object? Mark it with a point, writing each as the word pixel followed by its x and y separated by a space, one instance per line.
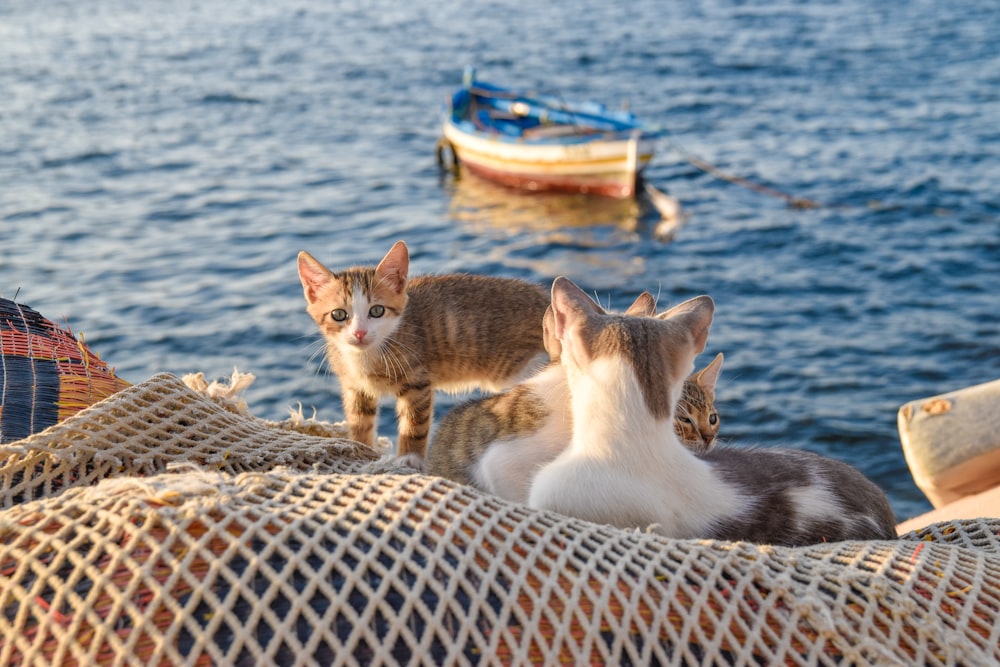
pixel 360 334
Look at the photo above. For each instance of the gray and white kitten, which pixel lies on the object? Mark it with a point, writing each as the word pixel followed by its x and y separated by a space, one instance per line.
pixel 626 467
pixel 498 443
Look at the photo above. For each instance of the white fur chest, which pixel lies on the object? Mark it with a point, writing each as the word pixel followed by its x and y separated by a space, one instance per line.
pixel 362 369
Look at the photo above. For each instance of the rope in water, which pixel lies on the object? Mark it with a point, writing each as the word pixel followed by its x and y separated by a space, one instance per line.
pixel 709 168
pixel 663 132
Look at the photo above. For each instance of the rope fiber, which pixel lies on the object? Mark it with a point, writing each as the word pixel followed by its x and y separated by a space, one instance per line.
pixel 166 525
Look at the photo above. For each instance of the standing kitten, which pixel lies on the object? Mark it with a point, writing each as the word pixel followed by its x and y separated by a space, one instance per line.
pixel 625 465
pixel 386 334
pixel 696 421
pixel 498 443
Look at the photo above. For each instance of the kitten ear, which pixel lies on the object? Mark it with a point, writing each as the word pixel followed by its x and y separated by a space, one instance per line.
pixel 708 376
pixel 549 341
pixel 570 303
pixel 643 306
pixel 314 276
pixel 393 268
pixel 696 314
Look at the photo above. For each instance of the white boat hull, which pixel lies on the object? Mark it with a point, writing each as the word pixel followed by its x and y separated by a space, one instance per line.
pixel 607 167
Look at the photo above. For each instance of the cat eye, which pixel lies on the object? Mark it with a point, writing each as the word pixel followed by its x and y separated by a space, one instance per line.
pixel 377 311
pixel 339 315
pixel 713 419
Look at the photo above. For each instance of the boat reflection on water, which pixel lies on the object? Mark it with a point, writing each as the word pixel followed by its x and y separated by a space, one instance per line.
pixel 552 233
pixel 478 202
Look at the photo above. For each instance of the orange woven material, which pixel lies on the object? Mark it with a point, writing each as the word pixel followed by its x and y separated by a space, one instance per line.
pixel 183 556
pixel 46 374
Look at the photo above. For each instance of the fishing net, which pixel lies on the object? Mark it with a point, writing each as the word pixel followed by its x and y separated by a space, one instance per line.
pixel 168 526
pixel 46 374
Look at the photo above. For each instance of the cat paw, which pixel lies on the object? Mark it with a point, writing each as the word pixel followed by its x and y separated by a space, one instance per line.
pixel 414 461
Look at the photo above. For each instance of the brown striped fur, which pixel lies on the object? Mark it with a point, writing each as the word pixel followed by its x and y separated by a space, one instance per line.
pixel 696 420
pixel 387 334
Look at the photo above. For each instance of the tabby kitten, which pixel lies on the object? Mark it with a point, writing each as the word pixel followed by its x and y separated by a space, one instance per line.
pixel 696 421
pixel 498 443
pixel 387 334
pixel 625 465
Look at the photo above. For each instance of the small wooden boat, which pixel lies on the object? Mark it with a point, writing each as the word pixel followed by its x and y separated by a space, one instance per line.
pixel 543 142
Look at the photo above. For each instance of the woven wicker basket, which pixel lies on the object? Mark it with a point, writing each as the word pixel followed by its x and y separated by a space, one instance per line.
pixel 46 374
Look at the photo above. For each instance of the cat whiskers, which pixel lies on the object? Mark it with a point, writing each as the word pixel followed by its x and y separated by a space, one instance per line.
pixel 720 442
pixel 393 358
pixel 318 348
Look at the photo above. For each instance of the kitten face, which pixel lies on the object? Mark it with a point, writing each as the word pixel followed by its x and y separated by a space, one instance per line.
pixel 360 318
pixel 357 309
pixel 697 420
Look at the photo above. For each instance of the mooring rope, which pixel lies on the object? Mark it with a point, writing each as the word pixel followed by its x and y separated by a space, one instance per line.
pixel 709 168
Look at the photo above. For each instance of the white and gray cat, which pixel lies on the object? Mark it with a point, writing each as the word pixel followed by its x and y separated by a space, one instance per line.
pixel 497 443
pixel 388 334
pixel 625 465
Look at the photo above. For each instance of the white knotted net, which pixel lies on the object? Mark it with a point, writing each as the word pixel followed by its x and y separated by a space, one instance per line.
pixel 163 526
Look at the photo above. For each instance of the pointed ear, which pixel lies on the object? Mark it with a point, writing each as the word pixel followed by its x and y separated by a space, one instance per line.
pixel 708 376
pixel 570 303
pixel 393 268
pixel 314 276
pixel 552 345
pixel 643 306
pixel 696 314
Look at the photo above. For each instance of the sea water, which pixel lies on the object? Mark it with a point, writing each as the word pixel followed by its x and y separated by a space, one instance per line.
pixel 162 163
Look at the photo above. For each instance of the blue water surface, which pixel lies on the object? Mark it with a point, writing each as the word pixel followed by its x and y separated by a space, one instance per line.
pixel 162 163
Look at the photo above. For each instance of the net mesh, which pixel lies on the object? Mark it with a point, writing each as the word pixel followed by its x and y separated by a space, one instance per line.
pixel 164 526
